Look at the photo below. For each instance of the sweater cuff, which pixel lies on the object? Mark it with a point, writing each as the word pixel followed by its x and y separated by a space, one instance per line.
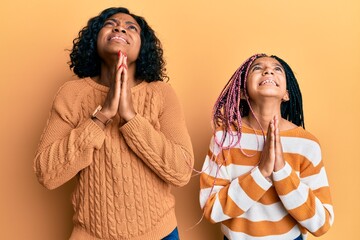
pixel 260 179
pixel 134 123
pixel 97 135
pixel 282 173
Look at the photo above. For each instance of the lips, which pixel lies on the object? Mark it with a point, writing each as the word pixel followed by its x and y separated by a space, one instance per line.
pixel 119 38
pixel 268 82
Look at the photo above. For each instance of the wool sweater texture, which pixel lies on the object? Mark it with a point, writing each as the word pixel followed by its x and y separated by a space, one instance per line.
pixel 294 202
pixel 123 173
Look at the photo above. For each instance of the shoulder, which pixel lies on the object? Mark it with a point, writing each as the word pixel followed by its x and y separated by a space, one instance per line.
pixel 299 132
pixel 68 95
pixel 164 91
pixel 161 87
pixel 72 87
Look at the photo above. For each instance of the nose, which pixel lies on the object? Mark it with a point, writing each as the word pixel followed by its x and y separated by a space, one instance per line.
pixel 119 28
pixel 268 71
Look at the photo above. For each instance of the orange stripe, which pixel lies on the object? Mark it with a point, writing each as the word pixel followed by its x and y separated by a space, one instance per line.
pixel 253 190
pixel 270 197
pixel 308 169
pixel 261 228
pixel 207 181
pixel 306 210
pixel 228 205
pixel 323 194
pixel 287 184
pixel 208 208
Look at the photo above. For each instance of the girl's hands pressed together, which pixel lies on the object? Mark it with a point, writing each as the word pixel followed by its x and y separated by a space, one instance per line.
pixel 279 160
pixel 267 158
pixel 272 155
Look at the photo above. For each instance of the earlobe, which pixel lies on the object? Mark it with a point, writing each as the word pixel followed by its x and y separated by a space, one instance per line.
pixel 286 97
pixel 242 94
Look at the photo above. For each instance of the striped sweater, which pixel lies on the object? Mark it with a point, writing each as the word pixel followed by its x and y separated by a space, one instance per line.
pixel 234 192
pixel 123 173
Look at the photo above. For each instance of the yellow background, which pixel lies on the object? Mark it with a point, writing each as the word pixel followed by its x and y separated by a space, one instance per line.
pixel 204 43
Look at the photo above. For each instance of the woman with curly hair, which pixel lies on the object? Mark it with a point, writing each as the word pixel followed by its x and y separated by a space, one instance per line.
pixel 120 131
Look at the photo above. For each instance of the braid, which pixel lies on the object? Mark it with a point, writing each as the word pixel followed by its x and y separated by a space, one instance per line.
pixel 230 107
pixel 292 110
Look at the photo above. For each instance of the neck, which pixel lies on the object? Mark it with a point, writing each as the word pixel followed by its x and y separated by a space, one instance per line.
pixel 108 75
pixel 264 111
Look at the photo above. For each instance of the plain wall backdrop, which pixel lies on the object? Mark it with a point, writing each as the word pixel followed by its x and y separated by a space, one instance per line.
pixel 204 43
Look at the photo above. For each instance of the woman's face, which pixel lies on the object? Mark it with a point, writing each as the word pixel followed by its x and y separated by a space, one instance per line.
pixel 119 33
pixel 266 78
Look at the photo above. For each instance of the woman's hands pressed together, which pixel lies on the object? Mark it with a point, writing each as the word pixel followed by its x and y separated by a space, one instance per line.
pixel 119 99
pixel 271 159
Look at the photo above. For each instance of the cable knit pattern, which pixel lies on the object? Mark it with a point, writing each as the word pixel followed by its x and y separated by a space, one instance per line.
pixel 124 172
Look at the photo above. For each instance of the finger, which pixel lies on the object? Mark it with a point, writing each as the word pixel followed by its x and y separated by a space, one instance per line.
pixel 272 139
pixel 121 57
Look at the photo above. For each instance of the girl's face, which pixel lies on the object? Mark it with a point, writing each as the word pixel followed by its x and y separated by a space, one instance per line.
pixel 119 33
pixel 266 78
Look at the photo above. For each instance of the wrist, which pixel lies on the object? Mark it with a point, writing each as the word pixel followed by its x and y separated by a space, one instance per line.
pixel 99 116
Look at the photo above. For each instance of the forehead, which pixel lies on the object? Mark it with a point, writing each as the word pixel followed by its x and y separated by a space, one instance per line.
pixel 123 17
pixel 266 60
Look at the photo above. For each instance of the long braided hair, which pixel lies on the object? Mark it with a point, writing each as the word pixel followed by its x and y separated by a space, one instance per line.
pixel 231 106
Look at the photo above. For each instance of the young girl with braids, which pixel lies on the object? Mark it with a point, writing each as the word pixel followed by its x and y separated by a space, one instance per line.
pixel 263 177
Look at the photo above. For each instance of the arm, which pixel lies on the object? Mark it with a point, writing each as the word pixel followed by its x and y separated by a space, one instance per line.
pixel 65 148
pixel 223 198
pixel 168 152
pixel 307 199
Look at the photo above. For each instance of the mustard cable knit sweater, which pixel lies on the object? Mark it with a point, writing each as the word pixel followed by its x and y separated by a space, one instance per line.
pixel 123 173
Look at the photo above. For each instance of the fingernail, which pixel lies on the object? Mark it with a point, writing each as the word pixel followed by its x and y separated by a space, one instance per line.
pixel 119 53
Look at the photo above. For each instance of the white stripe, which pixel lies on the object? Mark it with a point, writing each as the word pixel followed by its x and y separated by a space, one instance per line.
pixel 282 173
pixel 296 197
pixel 260 179
pixel 303 146
pixel 235 171
pixel 316 181
pixel 331 212
pixel 210 167
pixel 306 147
pixel 239 196
pixel 317 221
pixel 248 141
pixel 217 214
pixel 205 193
pixel 260 212
pixel 292 234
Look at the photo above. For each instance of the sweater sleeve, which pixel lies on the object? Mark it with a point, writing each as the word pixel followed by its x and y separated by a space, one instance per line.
pixel 307 198
pixel 66 146
pixel 223 198
pixel 168 151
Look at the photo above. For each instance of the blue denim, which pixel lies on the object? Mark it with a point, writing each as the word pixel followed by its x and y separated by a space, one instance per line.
pixel 298 238
pixel 174 235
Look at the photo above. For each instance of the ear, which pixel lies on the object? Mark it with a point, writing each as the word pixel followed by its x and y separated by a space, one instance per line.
pixel 286 97
pixel 242 94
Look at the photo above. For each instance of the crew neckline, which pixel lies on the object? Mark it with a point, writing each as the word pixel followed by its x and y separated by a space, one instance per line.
pixel 104 88
pixel 258 131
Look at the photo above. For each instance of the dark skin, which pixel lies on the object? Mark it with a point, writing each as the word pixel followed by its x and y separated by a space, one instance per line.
pixel 118 46
pixel 266 88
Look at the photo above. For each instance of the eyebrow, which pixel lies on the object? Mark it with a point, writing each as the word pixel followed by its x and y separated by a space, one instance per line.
pixel 275 64
pixel 126 22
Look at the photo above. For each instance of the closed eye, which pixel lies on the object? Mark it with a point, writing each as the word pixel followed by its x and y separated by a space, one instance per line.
pixel 132 28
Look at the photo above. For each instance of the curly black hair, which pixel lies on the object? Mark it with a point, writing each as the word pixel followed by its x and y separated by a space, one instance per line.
pixel 85 61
